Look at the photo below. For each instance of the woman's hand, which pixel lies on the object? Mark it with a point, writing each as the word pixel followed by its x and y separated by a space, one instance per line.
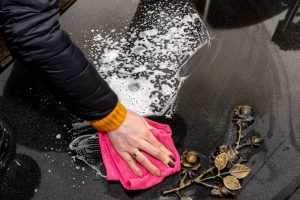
pixel 133 136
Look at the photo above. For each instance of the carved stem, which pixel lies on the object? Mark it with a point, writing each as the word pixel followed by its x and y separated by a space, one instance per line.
pixel 239 135
pixel 177 189
pixel 213 177
pixel 196 179
pixel 178 194
pixel 209 185
pixel 243 145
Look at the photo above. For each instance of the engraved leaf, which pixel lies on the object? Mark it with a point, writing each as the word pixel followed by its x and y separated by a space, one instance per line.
pixel 239 171
pixel 221 161
pixel 231 183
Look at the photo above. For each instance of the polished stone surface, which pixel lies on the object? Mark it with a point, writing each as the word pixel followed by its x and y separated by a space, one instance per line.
pixel 242 66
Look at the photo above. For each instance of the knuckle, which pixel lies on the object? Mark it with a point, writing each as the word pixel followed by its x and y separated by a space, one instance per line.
pixel 158 154
pixel 122 147
pixel 159 145
pixel 142 159
pixel 150 167
pixel 153 169
pixel 128 160
pixel 133 142
pixel 119 151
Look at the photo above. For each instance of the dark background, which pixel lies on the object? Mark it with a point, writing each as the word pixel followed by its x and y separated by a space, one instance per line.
pixel 242 66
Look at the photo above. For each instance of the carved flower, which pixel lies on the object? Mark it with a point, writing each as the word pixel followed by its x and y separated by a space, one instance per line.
pixel 190 159
pixel 255 140
pixel 243 115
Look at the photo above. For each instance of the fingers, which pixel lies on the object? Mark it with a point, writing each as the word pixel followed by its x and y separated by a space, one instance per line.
pixel 157 153
pixel 132 164
pixel 157 144
pixel 151 139
pixel 147 164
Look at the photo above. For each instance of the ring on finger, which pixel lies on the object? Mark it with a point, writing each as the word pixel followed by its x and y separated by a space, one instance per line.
pixel 135 153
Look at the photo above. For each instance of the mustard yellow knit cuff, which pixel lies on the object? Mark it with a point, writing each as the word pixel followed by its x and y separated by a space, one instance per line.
pixel 113 120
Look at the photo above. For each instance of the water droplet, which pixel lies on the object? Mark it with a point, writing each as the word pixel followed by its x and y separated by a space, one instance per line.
pixel 58 136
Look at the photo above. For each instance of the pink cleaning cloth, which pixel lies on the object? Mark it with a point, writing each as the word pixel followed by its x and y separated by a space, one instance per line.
pixel 118 170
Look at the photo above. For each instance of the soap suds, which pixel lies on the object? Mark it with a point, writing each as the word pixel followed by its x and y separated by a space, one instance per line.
pixel 143 64
pixel 87 150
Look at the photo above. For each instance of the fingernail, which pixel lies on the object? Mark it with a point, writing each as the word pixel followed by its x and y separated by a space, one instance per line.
pixel 171 164
pixel 173 158
pixel 157 173
pixel 140 174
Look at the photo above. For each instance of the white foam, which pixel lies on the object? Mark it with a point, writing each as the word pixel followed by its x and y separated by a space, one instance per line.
pixel 143 66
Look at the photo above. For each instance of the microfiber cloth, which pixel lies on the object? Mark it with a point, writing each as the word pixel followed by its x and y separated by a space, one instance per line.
pixel 118 170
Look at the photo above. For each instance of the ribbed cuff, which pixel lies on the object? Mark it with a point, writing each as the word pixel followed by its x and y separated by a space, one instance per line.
pixel 113 120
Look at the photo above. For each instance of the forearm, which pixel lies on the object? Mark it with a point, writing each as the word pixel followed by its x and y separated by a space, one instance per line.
pixel 34 36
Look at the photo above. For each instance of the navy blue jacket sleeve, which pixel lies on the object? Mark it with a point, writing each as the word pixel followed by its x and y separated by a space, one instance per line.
pixel 34 36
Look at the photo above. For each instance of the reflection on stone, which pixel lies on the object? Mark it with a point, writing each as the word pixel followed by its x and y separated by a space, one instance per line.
pixel 287 33
pixel 7 147
pixel 240 13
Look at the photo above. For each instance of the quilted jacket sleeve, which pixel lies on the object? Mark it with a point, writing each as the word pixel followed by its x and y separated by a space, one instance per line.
pixel 34 36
